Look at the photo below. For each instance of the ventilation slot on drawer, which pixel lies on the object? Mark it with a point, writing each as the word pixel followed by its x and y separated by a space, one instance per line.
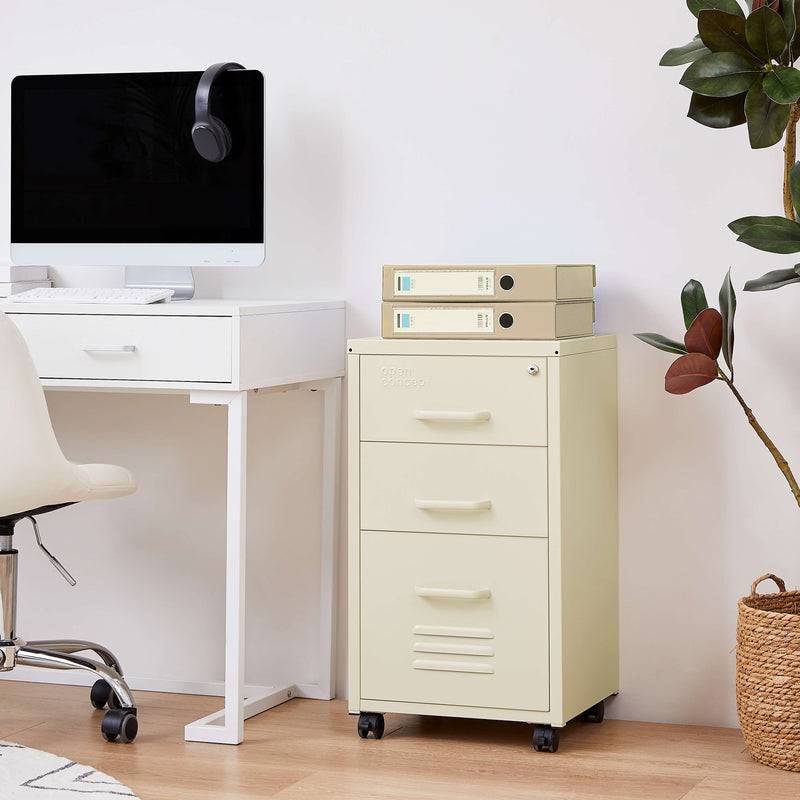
pixel 454 649
pixel 444 630
pixel 453 666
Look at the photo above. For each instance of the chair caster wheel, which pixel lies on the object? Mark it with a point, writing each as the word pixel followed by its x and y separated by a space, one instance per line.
pixel 120 723
pixel 545 737
pixel 370 722
pixel 102 694
pixel 595 713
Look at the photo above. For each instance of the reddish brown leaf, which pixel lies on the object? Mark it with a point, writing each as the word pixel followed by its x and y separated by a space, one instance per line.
pixel 688 372
pixel 705 334
pixel 775 5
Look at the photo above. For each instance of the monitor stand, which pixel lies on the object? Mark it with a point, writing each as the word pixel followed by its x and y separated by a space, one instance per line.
pixel 181 279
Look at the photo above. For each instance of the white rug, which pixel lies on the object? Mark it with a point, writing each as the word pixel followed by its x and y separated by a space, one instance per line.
pixel 26 773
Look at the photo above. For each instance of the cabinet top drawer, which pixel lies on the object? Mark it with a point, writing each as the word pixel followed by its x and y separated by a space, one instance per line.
pixel 129 348
pixel 471 400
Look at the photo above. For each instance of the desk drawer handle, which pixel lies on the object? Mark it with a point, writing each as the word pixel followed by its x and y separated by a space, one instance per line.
pixel 453 505
pixel 108 348
pixel 453 416
pixel 453 594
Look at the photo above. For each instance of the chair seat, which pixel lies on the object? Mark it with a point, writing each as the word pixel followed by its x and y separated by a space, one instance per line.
pixel 103 481
pixel 69 483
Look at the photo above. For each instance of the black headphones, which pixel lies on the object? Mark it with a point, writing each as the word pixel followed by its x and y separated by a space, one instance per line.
pixel 210 135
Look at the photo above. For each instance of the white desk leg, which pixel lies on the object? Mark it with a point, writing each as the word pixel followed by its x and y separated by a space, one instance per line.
pixel 227 726
pixel 209 729
pixel 325 689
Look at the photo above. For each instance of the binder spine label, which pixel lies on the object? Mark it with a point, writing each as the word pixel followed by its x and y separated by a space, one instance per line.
pixel 444 320
pixel 452 283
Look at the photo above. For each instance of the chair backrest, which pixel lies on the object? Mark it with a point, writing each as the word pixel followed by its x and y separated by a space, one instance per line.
pixel 30 457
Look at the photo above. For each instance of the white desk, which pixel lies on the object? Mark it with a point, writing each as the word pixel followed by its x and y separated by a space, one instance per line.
pixel 215 351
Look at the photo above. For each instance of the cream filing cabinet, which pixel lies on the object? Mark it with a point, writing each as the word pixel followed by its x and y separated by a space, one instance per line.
pixel 483 530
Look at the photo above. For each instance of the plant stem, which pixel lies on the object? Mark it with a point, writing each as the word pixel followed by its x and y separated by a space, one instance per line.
pixel 789 157
pixel 783 465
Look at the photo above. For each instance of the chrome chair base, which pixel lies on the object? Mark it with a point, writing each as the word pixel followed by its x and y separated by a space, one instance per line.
pixel 61 654
pixel 120 721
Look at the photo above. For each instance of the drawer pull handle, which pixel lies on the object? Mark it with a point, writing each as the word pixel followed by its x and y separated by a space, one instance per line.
pixel 454 416
pixel 453 505
pixel 453 594
pixel 108 348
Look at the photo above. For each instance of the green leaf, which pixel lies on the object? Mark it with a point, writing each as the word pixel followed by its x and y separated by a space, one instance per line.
pixel 718 112
pixel 789 15
pixel 727 307
pixel 773 235
pixel 782 85
pixel 724 33
pixel 729 6
pixel 720 75
pixel 693 301
pixel 794 41
pixel 662 343
pixel 739 226
pixel 684 55
pixel 766 121
pixel 773 280
pixel 794 185
pixel 689 372
pixel 766 34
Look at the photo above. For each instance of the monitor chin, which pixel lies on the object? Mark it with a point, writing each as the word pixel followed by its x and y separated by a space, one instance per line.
pixel 140 255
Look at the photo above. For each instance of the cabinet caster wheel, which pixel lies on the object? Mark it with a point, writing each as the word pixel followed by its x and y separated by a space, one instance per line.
pixel 545 737
pixel 370 722
pixel 120 724
pixel 102 694
pixel 595 713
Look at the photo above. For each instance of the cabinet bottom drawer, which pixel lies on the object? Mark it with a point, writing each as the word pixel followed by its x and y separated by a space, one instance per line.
pixel 454 619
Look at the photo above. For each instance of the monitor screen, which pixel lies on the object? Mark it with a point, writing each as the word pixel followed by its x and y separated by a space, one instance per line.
pixel 104 170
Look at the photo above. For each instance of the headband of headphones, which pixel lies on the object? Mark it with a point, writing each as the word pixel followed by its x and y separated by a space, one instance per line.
pixel 210 135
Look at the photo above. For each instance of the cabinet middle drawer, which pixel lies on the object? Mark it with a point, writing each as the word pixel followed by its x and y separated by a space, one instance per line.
pixel 484 489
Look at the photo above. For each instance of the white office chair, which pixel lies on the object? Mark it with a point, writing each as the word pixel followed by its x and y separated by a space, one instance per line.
pixel 35 478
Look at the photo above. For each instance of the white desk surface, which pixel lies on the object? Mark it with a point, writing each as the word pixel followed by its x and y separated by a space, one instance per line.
pixel 195 307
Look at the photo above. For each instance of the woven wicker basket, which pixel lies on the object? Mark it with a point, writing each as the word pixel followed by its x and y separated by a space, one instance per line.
pixel 768 675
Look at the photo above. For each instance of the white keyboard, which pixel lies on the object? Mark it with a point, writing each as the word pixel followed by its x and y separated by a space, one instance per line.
pixel 89 295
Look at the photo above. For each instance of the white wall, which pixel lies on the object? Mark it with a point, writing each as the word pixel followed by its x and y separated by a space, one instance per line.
pixel 432 131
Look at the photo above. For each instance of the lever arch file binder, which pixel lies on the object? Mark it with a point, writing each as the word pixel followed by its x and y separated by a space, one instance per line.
pixel 542 320
pixel 467 283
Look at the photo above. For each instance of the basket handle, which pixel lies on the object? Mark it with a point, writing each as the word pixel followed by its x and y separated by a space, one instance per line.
pixel 781 585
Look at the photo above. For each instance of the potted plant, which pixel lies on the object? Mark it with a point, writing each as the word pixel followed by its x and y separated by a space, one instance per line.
pixel 741 72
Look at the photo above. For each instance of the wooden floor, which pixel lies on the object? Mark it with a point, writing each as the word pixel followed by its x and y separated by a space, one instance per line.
pixel 310 749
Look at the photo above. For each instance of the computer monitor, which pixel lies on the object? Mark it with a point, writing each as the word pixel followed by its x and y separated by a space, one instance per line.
pixel 104 171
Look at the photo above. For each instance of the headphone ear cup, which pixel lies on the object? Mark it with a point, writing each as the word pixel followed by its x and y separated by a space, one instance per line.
pixel 224 136
pixel 212 139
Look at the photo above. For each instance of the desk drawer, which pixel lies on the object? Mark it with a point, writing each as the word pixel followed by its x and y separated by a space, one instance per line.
pixel 454 488
pixel 470 399
pixel 458 620
pixel 119 347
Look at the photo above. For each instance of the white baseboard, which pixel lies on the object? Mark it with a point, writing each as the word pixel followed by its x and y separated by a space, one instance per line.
pixel 85 678
pixel 81 678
